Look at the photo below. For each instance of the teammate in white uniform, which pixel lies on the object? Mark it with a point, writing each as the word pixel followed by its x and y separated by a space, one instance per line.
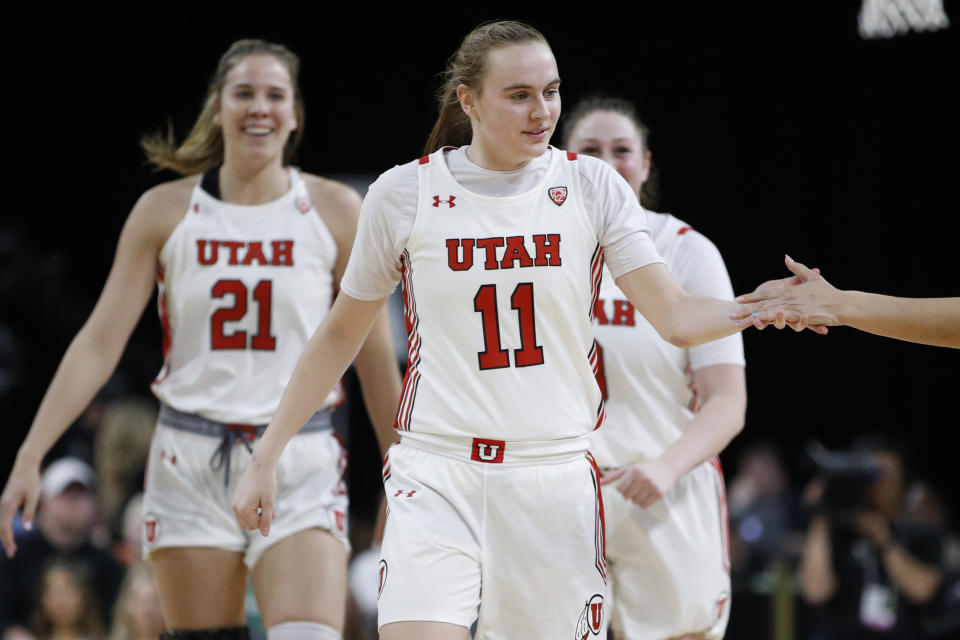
pixel 669 413
pixel 247 257
pixel 498 246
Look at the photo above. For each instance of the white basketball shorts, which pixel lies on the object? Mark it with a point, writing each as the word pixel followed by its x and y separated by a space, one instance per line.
pixel 187 502
pixel 669 564
pixel 508 534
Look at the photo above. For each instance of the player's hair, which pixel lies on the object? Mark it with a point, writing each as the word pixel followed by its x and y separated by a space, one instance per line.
pixel 466 67
pixel 650 191
pixel 202 150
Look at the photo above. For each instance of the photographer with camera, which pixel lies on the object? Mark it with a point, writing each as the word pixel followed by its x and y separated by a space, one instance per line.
pixel 865 572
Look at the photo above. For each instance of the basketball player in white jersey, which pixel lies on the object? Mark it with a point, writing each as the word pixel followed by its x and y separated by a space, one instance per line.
pixel 669 413
pixel 247 252
pixel 494 506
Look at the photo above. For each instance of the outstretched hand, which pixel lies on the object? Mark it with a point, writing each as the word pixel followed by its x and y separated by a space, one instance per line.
pixel 22 490
pixel 799 301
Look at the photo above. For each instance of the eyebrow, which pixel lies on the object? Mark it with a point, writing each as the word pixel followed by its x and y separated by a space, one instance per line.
pixel 520 85
pixel 250 85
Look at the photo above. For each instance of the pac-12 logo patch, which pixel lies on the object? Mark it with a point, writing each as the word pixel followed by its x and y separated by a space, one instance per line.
pixel 383 577
pixel 150 526
pixel 558 195
pixel 591 618
pixel 303 205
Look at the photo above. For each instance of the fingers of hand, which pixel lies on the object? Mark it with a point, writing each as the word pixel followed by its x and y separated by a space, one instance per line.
pixel 612 476
pixel 800 270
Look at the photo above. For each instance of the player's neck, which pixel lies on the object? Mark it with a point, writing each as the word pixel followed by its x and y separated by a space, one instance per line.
pixel 251 184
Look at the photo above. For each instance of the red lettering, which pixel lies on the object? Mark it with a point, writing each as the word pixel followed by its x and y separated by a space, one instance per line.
pixel 599 313
pixel 201 257
pixel 282 253
pixel 623 313
pixel 255 252
pixel 515 251
pixel 234 246
pixel 454 254
pixel 547 245
pixel 490 245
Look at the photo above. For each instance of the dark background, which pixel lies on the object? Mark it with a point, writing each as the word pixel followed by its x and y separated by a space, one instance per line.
pixel 775 129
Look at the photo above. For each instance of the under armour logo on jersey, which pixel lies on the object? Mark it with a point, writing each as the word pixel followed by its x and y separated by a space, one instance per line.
pixel 591 618
pixel 558 195
pixel 488 450
pixel 437 201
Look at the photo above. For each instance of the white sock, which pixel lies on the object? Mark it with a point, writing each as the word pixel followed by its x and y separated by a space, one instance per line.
pixel 302 630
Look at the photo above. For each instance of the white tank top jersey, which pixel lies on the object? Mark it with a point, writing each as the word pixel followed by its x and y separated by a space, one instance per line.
pixel 241 290
pixel 646 381
pixel 498 295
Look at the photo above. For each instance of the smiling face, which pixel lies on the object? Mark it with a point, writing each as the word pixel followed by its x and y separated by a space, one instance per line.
pixel 515 109
pixel 613 137
pixel 257 112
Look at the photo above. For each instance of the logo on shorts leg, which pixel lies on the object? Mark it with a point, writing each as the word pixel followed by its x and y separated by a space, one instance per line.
pixel 487 450
pixel 150 526
pixel 383 577
pixel 591 618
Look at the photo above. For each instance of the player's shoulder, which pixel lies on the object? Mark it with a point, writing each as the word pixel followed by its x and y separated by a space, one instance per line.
pixel 397 184
pixel 169 195
pixel 590 167
pixel 325 192
pixel 686 241
pixel 160 208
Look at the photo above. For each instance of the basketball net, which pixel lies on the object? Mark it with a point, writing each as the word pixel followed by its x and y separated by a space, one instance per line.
pixel 889 18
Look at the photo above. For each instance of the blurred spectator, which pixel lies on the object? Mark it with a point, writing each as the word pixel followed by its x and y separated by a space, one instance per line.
pixel 120 453
pixel 137 615
pixel 66 605
pixel 65 521
pixel 762 519
pixel 866 570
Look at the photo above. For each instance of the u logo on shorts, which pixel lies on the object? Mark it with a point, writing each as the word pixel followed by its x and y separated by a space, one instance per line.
pixel 487 450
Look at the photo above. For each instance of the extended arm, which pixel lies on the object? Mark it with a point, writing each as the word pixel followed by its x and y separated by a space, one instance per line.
pixel 933 321
pixel 92 355
pixel 380 380
pixel 680 319
pixel 720 418
pixel 376 363
pixel 326 357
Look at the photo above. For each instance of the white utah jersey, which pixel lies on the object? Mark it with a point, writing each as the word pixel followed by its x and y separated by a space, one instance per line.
pixel 498 295
pixel 646 381
pixel 241 290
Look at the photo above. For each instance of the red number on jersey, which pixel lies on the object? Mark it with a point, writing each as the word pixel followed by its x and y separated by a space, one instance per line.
pixel 493 355
pixel 262 295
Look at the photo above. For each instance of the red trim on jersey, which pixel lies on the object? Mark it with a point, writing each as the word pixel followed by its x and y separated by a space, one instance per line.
pixel 571 156
pixel 683 230
pixel 424 159
pixel 723 513
pixel 386 466
pixel 600 536
pixel 167 338
pixel 596 276
pixel 411 379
